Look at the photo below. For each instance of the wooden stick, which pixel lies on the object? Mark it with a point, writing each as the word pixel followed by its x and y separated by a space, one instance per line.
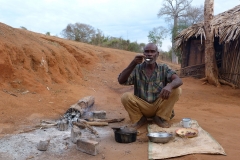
pixel 97 123
pixel 48 122
pixel 80 125
pixel 45 125
pixel 92 130
pixel 29 130
pixel 84 123
pixel 105 120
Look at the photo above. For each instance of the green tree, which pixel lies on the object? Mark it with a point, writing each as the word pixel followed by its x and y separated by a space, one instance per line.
pixel 79 32
pixel 98 38
pixel 87 34
pixel 142 45
pixel 157 35
pixel 48 33
pixel 134 47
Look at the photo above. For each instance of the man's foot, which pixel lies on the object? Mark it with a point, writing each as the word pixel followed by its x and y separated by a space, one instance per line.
pixel 172 115
pixel 161 122
pixel 140 123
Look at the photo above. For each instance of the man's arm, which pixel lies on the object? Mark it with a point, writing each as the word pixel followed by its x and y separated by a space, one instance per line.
pixel 127 71
pixel 176 82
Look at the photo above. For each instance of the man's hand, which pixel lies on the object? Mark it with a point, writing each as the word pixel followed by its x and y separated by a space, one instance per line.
pixel 127 71
pixel 165 93
pixel 138 58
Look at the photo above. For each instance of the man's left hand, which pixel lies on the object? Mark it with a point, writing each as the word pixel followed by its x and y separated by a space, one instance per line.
pixel 165 93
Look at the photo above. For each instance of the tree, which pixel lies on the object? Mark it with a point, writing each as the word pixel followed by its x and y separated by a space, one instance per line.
pixel 157 35
pixel 142 45
pixel 98 38
pixel 48 33
pixel 134 47
pixel 174 9
pixel 193 16
pixel 87 34
pixel 79 32
pixel 211 70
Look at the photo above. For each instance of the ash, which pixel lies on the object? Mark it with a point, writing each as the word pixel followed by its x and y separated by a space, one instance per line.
pixel 24 146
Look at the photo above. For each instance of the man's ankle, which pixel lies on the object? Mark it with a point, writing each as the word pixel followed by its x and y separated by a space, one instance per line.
pixel 141 122
pixel 161 122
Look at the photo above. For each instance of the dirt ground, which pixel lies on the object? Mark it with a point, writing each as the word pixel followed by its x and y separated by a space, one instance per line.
pixel 41 76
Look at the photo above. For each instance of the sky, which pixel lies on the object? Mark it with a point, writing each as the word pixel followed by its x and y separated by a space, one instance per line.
pixel 128 19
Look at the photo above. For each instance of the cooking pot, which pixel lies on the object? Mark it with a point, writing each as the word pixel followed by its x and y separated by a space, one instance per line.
pixel 124 135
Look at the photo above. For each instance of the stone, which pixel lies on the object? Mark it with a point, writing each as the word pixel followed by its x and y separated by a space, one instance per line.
pixel 99 114
pixel 62 125
pixel 43 145
pixel 87 146
pixel 75 134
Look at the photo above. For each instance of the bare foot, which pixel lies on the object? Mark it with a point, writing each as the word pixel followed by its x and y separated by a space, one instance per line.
pixel 140 123
pixel 161 122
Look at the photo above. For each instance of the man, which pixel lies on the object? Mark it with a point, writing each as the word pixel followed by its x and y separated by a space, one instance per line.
pixel 155 89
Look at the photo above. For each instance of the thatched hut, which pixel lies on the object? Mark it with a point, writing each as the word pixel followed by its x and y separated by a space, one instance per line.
pixel 226 29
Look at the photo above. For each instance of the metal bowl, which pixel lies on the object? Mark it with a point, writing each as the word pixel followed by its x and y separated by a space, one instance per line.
pixel 160 137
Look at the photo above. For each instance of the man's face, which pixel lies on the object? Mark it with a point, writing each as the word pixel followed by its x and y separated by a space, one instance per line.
pixel 151 53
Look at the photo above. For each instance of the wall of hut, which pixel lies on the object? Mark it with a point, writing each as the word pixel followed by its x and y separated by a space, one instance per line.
pixel 193 58
pixel 227 56
pixel 230 64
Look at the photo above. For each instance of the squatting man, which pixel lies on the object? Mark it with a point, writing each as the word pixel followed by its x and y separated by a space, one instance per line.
pixel 156 89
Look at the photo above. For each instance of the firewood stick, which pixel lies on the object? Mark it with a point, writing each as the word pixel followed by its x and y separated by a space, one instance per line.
pixel 80 125
pixel 97 123
pixel 29 130
pixel 48 122
pixel 46 125
pixel 84 123
pixel 92 130
pixel 106 120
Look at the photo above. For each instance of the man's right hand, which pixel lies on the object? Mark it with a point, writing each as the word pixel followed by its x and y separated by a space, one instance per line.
pixel 138 58
pixel 122 78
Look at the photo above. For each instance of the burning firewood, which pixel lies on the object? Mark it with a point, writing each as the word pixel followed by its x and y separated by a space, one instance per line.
pixel 78 109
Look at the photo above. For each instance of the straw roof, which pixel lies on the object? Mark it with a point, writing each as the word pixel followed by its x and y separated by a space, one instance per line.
pixel 226 26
